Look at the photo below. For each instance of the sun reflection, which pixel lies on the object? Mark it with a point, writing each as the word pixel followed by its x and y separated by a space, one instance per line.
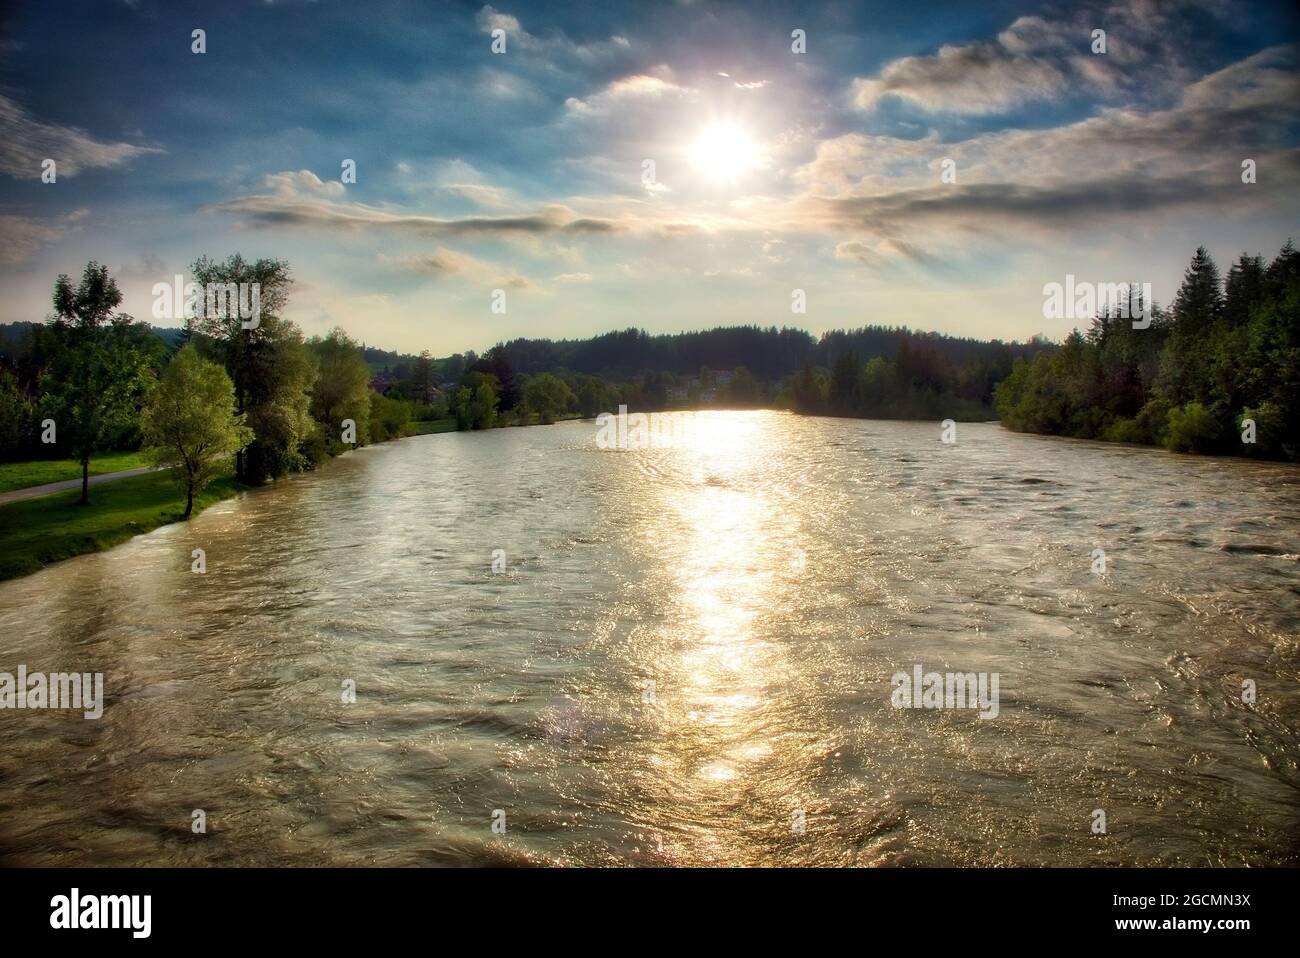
pixel 721 541
pixel 725 578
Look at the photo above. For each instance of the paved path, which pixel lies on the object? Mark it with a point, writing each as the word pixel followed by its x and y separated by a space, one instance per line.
pixel 31 492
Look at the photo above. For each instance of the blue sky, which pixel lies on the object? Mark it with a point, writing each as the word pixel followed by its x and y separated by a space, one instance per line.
pixel 526 170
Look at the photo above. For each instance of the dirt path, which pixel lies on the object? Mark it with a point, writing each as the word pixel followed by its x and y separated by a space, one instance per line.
pixel 31 492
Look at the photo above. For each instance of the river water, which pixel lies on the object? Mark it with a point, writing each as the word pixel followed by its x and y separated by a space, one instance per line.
pixel 685 657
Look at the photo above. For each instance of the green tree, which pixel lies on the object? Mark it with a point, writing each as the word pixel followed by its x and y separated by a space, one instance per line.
pixel 18 424
pixel 267 361
pixel 844 384
pixel 743 389
pixel 594 396
pixel 475 401
pixel 100 375
pixel 342 387
pixel 548 396
pixel 388 417
pixel 422 378
pixel 191 422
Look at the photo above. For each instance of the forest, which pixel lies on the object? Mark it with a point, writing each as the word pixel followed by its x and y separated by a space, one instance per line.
pixel 1218 371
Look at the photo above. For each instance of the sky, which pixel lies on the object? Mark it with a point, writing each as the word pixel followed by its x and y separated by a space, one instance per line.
pixel 668 166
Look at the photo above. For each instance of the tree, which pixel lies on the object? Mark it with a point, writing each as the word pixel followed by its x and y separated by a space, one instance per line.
pixel 423 378
pixel 191 423
pixel 844 383
pixel 594 395
pixel 1200 298
pixel 388 417
pixel 475 401
pixel 100 374
pixel 1186 363
pixel 1244 288
pixel 342 387
pixel 17 417
pixel 548 396
pixel 268 363
pixel 744 389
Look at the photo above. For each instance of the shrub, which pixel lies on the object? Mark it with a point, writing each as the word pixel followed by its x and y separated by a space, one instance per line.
pixel 1192 428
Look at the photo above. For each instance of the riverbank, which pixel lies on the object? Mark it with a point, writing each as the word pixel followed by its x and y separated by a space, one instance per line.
pixel 40 472
pixel 37 532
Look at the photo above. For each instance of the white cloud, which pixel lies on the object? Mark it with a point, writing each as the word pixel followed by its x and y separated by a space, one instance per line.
pixel 443 263
pixel 21 236
pixel 25 142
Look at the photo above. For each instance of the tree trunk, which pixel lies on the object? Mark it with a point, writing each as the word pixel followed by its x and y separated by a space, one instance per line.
pixel 189 501
pixel 85 481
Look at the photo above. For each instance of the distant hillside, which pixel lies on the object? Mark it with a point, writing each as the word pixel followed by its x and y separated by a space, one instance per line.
pixel 768 353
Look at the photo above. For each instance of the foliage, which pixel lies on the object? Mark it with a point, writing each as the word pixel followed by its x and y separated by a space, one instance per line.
pixel 341 389
pixel 1220 354
pixel 191 422
pixel 547 396
pixel 388 418
pixel 269 364
pixel 100 372
pixel 475 401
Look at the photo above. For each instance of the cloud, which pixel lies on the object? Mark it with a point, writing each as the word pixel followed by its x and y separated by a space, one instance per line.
pixel 302 199
pixel 654 85
pixel 22 236
pixel 1036 59
pixel 26 141
pixel 479 193
pixel 1124 164
pixel 880 199
pixel 976 78
pixel 573 278
pixel 304 182
pixel 445 263
pixel 556 44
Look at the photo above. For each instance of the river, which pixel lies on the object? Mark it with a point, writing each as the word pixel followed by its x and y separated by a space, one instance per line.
pixel 684 657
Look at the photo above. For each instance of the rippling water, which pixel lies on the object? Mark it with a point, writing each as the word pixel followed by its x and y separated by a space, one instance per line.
pixel 768 579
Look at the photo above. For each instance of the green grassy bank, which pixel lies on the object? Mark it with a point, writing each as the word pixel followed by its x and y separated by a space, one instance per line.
pixel 36 532
pixel 21 475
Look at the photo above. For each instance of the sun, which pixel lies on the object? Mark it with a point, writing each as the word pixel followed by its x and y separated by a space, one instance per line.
pixel 724 151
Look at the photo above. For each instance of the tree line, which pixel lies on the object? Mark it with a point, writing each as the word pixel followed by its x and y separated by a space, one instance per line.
pixel 1218 371
pixel 92 379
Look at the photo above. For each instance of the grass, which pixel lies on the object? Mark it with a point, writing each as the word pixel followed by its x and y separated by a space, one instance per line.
pixel 36 532
pixel 20 475
pixel 428 426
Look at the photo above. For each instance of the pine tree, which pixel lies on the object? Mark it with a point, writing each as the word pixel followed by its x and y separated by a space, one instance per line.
pixel 1244 288
pixel 1200 298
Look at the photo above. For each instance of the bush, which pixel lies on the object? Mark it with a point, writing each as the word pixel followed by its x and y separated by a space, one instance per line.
pixel 1192 428
pixel 1269 431
pixel 388 418
pixel 1124 430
